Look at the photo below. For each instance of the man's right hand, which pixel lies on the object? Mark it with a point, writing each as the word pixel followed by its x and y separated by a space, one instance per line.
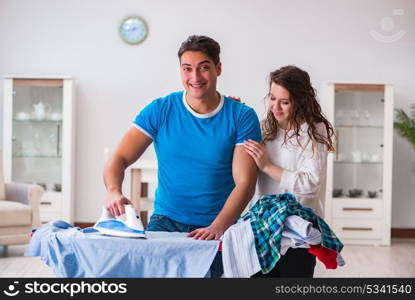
pixel 115 202
pixel 132 145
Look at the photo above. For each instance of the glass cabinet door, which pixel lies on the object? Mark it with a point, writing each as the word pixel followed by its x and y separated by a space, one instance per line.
pixel 358 161
pixel 36 132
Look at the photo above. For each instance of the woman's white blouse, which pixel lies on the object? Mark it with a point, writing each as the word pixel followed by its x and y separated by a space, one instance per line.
pixel 304 173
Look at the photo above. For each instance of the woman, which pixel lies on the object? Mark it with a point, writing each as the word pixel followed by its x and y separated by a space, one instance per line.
pixel 293 156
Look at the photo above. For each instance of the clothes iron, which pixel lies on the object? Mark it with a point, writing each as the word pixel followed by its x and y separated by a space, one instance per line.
pixel 127 225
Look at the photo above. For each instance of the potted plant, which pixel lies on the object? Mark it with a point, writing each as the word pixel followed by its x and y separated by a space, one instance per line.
pixel 405 125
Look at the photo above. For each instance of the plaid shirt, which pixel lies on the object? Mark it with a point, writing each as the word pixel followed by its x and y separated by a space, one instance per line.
pixel 267 218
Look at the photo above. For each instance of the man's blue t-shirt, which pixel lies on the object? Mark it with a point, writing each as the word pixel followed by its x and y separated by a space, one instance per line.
pixel 194 153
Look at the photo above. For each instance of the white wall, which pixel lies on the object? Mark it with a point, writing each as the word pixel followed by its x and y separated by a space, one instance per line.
pixel 329 39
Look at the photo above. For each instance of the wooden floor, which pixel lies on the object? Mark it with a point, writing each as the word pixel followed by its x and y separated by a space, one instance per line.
pixel 398 260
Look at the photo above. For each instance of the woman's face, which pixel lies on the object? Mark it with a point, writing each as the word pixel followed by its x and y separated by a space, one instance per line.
pixel 279 104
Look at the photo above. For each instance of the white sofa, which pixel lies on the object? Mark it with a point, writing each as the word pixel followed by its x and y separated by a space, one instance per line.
pixel 19 210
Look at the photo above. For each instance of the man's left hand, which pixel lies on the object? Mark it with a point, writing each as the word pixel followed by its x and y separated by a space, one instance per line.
pixel 211 232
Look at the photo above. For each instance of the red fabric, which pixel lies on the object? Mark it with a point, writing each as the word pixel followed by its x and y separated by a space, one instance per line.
pixel 220 246
pixel 326 256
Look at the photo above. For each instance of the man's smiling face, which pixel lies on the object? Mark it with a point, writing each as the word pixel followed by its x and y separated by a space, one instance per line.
pixel 199 74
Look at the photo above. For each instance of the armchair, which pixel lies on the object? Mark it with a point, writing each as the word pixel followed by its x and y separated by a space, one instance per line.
pixel 19 210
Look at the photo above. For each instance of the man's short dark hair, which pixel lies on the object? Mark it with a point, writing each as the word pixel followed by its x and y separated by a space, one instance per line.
pixel 203 44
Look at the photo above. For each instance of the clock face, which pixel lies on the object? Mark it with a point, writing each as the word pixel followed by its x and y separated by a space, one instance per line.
pixel 133 30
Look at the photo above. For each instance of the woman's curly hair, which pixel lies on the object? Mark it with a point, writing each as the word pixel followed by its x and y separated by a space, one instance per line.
pixel 305 108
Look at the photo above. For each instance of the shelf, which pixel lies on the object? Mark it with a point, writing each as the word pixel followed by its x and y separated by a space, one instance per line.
pixel 359 126
pixel 360 162
pixel 37 121
pixel 37 156
pixel 362 198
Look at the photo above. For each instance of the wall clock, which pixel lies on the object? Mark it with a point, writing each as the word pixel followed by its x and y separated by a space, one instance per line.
pixel 133 30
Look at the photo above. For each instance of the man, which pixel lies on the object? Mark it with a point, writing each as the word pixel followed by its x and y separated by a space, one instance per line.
pixel 205 177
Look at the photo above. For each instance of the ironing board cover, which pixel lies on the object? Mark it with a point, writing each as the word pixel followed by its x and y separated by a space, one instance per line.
pixel 74 252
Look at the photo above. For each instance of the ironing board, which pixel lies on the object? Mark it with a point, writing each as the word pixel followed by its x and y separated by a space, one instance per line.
pixel 74 252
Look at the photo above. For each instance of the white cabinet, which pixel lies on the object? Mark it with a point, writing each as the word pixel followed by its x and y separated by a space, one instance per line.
pixel 359 172
pixel 38 139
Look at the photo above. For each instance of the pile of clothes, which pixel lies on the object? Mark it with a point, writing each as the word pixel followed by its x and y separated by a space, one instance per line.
pixel 274 224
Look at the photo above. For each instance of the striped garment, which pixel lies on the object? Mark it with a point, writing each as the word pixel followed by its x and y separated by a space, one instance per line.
pixel 239 256
pixel 267 218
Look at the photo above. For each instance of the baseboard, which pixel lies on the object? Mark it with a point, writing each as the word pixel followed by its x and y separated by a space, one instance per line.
pixel 83 224
pixel 403 233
